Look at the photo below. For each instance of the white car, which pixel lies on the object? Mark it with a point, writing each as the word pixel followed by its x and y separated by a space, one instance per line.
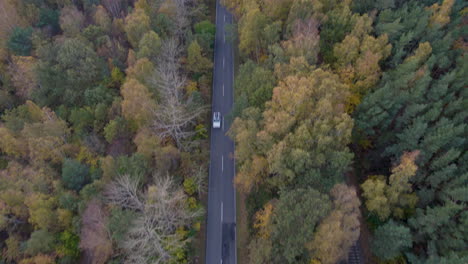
pixel 216 120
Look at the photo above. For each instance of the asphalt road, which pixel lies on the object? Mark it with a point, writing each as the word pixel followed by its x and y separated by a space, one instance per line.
pixel 221 238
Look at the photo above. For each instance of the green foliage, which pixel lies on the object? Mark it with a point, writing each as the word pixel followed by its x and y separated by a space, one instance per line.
pixel 196 62
pixel 49 17
pixel 255 83
pixel 41 241
pixel 68 246
pixel 82 119
pixel 115 128
pixel 298 212
pixel 74 174
pixel 391 240
pixel 66 71
pixel 119 222
pixel 149 46
pixel 20 41
pixel 190 186
pixel 136 166
pixel 205 27
pixel 202 132
pixel 68 200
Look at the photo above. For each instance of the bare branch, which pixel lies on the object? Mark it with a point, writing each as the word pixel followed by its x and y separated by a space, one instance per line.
pixel 124 192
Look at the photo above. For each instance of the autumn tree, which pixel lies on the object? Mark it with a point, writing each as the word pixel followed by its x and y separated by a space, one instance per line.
pixel 304 40
pixel 137 24
pixel 396 196
pixel 149 46
pixel 71 20
pixel 340 229
pixel 251 27
pixel 24 78
pixel 196 62
pixel 358 57
pixel 298 212
pixel 137 103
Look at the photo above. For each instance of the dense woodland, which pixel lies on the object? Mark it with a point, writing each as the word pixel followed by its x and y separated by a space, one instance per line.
pixel 103 130
pixel 365 92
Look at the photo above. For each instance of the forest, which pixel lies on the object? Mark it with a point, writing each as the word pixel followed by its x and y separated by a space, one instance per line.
pixel 104 108
pixel 350 124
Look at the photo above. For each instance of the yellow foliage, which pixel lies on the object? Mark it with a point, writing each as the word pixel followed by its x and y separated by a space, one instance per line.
pixel 39 259
pixel 441 13
pixel 11 145
pixel 86 156
pixel 263 220
pixel 191 87
pixel 147 143
pixel 65 218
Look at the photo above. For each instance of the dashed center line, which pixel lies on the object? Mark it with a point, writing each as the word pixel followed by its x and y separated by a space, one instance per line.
pixel 222 163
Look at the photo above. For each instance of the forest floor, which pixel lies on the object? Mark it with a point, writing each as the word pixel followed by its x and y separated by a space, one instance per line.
pixel 242 228
pixel 364 238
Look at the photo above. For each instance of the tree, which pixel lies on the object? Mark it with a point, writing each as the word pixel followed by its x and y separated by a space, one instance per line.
pixel 358 57
pixel 149 46
pixel 137 103
pixel 161 210
pixel 196 62
pixel 391 240
pixel 20 41
pixel 255 83
pixel 441 14
pixel 74 174
pixel 340 229
pixel 298 212
pixel 251 26
pixel 65 71
pixel 119 223
pixel 42 214
pixel 304 41
pixel 41 241
pixel 102 19
pixel 46 139
pixel 296 114
pixel 137 24
pixel 23 72
pixel 94 237
pixel 176 114
pixel 397 195
pixel 71 20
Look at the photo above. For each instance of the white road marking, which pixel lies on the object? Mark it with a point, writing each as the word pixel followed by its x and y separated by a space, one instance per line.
pixel 224 38
pixel 223 116
pixel 222 163
pixel 224 17
pixel 223 91
pixel 221 211
pixel 223 62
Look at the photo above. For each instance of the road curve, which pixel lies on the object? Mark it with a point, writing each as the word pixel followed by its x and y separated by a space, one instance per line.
pixel 221 214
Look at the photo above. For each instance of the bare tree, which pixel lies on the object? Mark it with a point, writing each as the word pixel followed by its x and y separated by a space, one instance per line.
pixel 175 114
pixel 114 7
pixel 95 237
pixel 200 176
pixel 181 21
pixel 124 192
pixel 153 237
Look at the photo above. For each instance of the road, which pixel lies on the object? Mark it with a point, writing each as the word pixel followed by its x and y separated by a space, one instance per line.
pixel 221 238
